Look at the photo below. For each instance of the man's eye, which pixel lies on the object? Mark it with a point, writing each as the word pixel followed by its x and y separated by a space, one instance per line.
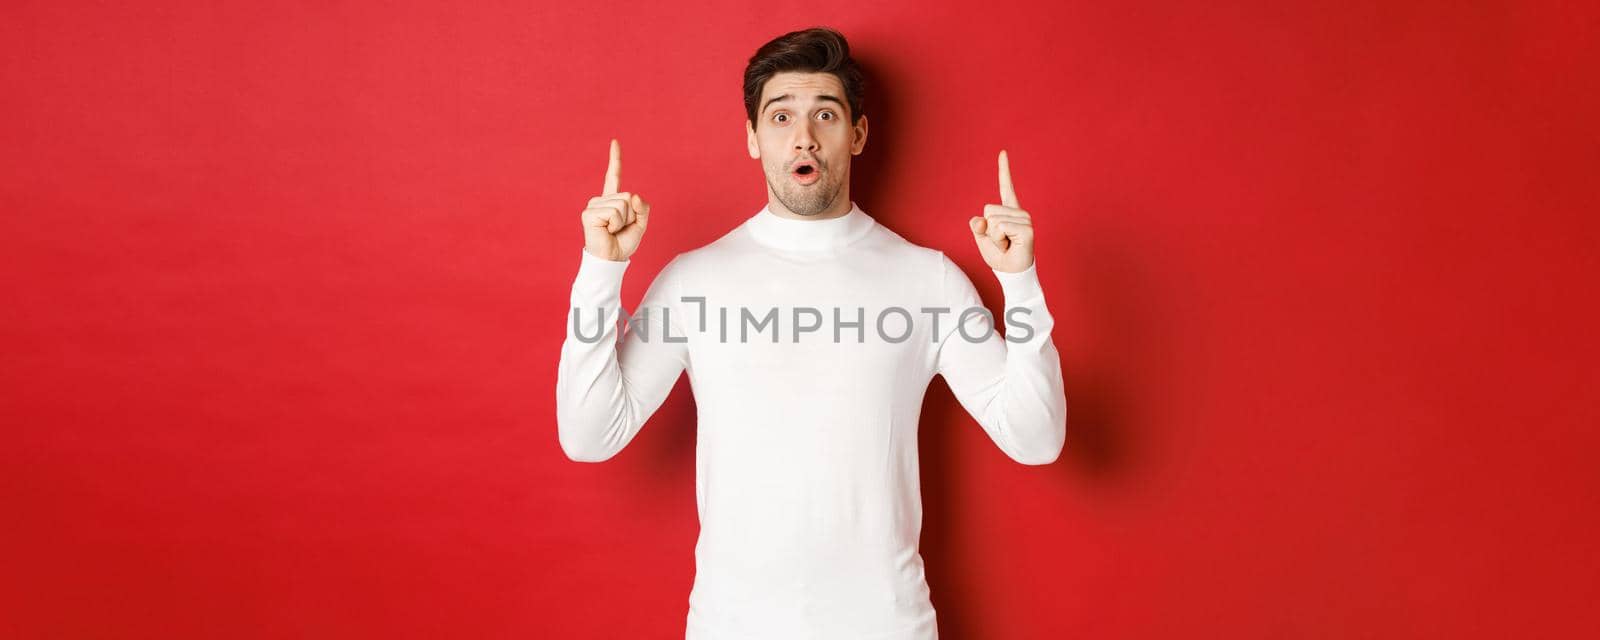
pixel 826 115
pixel 781 117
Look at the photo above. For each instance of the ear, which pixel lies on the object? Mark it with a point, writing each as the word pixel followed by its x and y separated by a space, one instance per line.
pixel 750 140
pixel 860 135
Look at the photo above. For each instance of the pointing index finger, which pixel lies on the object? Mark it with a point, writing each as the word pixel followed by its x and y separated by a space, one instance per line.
pixel 1008 194
pixel 613 169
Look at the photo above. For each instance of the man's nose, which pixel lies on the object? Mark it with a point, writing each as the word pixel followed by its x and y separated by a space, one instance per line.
pixel 803 140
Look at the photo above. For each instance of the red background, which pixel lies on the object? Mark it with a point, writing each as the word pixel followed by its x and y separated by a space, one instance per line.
pixel 284 291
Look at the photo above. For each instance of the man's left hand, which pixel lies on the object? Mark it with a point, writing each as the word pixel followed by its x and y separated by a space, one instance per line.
pixel 1005 232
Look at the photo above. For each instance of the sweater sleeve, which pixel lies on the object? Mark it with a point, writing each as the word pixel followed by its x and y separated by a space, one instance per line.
pixel 605 390
pixel 1012 386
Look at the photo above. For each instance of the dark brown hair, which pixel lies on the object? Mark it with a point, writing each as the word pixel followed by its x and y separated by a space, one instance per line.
pixel 816 50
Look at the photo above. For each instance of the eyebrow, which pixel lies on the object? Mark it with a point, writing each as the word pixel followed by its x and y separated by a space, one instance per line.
pixel 821 98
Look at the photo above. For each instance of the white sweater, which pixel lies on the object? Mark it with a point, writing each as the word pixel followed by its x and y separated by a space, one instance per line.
pixel 806 458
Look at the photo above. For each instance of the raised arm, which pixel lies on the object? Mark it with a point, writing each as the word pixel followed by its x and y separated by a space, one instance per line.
pixel 1013 385
pixel 606 391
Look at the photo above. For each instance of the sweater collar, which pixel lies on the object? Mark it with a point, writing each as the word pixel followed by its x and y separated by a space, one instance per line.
pixel 770 229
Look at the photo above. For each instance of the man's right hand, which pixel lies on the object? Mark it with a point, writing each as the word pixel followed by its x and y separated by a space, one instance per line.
pixel 614 222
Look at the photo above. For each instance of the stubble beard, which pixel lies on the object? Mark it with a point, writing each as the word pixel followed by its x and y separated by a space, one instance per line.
pixel 803 200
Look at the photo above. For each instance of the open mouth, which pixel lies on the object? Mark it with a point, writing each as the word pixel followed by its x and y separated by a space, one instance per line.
pixel 805 172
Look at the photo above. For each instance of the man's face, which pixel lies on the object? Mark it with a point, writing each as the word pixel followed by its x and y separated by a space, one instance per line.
pixel 804 138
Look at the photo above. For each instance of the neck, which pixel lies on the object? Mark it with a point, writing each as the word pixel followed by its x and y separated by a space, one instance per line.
pixel 810 233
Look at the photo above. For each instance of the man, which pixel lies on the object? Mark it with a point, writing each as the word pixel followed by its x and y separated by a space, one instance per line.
pixel 806 459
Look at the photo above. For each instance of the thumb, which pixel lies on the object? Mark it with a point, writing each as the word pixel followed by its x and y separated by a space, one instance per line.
pixel 643 216
pixel 986 247
pixel 979 224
